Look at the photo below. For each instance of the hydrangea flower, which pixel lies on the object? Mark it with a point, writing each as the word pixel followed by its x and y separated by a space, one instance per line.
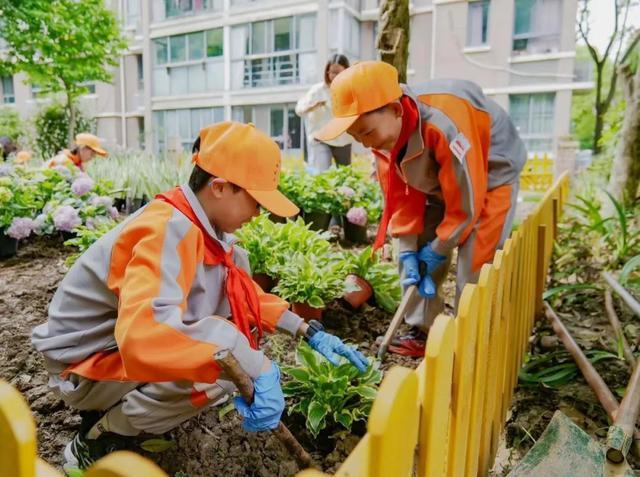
pixel 5 195
pixel 82 185
pixel 66 218
pixel 113 212
pixel 21 227
pixel 39 222
pixel 5 169
pixel 90 224
pixel 346 191
pixel 102 201
pixel 63 171
pixel 357 216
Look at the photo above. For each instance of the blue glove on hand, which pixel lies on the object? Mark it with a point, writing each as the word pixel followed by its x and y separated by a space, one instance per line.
pixel 330 346
pixel 268 402
pixel 411 267
pixel 432 260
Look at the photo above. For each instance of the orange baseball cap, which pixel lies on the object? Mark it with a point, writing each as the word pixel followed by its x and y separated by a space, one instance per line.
pixel 247 157
pixel 92 142
pixel 363 87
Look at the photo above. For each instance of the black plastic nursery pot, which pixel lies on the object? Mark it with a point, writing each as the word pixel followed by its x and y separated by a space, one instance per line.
pixel 8 245
pixel 354 233
pixel 136 203
pixel 317 220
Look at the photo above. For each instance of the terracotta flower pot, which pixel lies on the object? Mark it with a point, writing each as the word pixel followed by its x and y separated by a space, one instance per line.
pixel 8 245
pixel 317 220
pixel 264 280
pixel 354 233
pixel 357 298
pixel 306 311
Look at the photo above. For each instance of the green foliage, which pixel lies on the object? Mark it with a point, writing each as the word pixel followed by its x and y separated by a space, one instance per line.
pixel 583 118
pixel 556 369
pixel 85 237
pixel 329 395
pixel 52 128
pixel 157 445
pixel 61 44
pixel 311 193
pixel 630 273
pixel 11 125
pixel 383 277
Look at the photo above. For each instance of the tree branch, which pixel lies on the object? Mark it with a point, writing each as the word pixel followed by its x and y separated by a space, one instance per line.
pixel 632 44
pixel 584 33
pixel 616 26
pixel 622 34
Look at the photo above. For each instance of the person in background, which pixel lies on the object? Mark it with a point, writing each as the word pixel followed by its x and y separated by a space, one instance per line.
pixel 7 146
pixel 315 108
pixel 85 149
pixel 23 157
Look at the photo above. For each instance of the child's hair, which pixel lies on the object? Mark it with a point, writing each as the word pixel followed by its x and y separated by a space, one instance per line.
pixel 335 59
pixel 199 178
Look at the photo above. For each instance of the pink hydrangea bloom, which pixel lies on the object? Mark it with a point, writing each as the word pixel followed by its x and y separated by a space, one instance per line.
pixel 21 227
pixel 357 216
pixel 66 218
pixel 346 191
pixel 82 185
pixel 113 212
pixel 102 200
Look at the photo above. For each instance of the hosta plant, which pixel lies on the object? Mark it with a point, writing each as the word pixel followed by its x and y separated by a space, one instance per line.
pixel 383 277
pixel 328 395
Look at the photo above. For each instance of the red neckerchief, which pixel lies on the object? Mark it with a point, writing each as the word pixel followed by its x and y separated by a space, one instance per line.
pixel 409 124
pixel 75 158
pixel 243 299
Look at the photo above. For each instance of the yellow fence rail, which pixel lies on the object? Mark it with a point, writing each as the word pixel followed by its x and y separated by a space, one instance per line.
pixel 537 174
pixel 452 408
pixel 18 447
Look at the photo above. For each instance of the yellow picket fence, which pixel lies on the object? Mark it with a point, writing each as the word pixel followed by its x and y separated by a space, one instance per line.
pixel 442 419
pixel 18 447
pixel 537 174
pixel 445 418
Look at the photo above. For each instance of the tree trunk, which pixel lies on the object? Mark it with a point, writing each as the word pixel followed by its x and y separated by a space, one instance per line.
pixel 625 172
pixel 598 127
pixel 393 35
pixel 72 120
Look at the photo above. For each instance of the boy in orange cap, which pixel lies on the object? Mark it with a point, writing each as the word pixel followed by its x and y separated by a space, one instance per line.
pixel 85 149
pixel 135 325
pixel 448 161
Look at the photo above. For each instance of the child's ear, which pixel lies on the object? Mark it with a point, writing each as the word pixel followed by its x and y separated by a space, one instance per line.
pixel 396 107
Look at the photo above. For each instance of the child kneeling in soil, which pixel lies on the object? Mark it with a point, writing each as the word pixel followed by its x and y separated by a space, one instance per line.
pixel 448 160
pixel 134 326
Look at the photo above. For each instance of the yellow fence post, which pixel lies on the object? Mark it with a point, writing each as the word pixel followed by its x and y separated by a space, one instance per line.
pixel 463 369
pixel 486 289
pixel 124 464
pixel 436 374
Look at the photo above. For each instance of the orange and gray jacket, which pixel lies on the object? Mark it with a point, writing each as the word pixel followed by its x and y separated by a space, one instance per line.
pixel 465 144
pixel 142 304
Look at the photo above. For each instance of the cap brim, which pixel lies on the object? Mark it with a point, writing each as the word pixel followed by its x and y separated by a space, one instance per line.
pixel 98 151
pixel 335 127
pixel 275 202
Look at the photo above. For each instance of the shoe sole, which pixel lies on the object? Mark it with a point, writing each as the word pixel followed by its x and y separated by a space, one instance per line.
pixel 70 461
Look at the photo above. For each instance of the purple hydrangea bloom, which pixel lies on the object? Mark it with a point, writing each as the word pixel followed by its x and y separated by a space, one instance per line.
pixel 63 171
pixel 90 224
pixel 21 227
pixel 66 218
pixel 82 185
pixel 113 212
pixel 346 191
pixel 39 222
pixel 357 216
pixel 102 201
pixel 5 169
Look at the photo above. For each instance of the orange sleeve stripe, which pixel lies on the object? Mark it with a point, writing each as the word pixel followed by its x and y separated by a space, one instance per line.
pixel 271 308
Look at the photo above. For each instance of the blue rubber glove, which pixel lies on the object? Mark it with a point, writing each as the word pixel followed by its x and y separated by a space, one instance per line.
pixel 432 260
pixel 411 267
pixel 331 346
pixel 268 402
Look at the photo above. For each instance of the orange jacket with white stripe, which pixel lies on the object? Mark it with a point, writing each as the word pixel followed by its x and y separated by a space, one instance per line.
pixel 142 304
pixel 465 144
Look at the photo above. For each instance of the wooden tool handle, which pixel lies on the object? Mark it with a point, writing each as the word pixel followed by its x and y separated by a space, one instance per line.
pixel 245 385
pixel 395 322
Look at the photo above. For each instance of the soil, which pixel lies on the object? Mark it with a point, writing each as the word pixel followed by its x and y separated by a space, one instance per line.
pixel 212 443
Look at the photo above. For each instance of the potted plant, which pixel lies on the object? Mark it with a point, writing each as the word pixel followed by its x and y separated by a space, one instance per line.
pixel 328 396
pixel 314 195
pixel 354 225
pixel 257 238
pixel 309 282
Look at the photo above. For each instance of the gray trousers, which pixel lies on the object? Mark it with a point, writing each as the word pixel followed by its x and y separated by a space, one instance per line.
pixel 422 311
pixel 134 407
pixel 321 154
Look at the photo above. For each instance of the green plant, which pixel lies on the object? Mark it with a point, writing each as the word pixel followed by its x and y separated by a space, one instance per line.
pixel 312 279
pixel 85 237
pixel 328 395
pixel 52 128
pixel 383 277
pixel 630 273
pixel 11 125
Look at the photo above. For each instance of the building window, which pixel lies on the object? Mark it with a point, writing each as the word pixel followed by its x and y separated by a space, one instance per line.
pixel 537 26
pixel 8 94
pixel 133 13
pixel 273 52
pixel 279 120
pixel 478 23
pixel 180 8
pixel 140 72
pixel 533 115
pixel 190 63
pixel 176 129
pixel 90 87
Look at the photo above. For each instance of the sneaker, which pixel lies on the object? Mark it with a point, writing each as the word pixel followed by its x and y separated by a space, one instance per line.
pixel 82 452
pixel 412 344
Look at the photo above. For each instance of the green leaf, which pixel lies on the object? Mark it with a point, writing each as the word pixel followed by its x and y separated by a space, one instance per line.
pixel 157 445
pixel 345 418
pixel 629 268
pixel 74 472
pixel 226 409
pixel 366 392
pixel 316 302
pixel 300 374
pixel 565 288
pixel 316 417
